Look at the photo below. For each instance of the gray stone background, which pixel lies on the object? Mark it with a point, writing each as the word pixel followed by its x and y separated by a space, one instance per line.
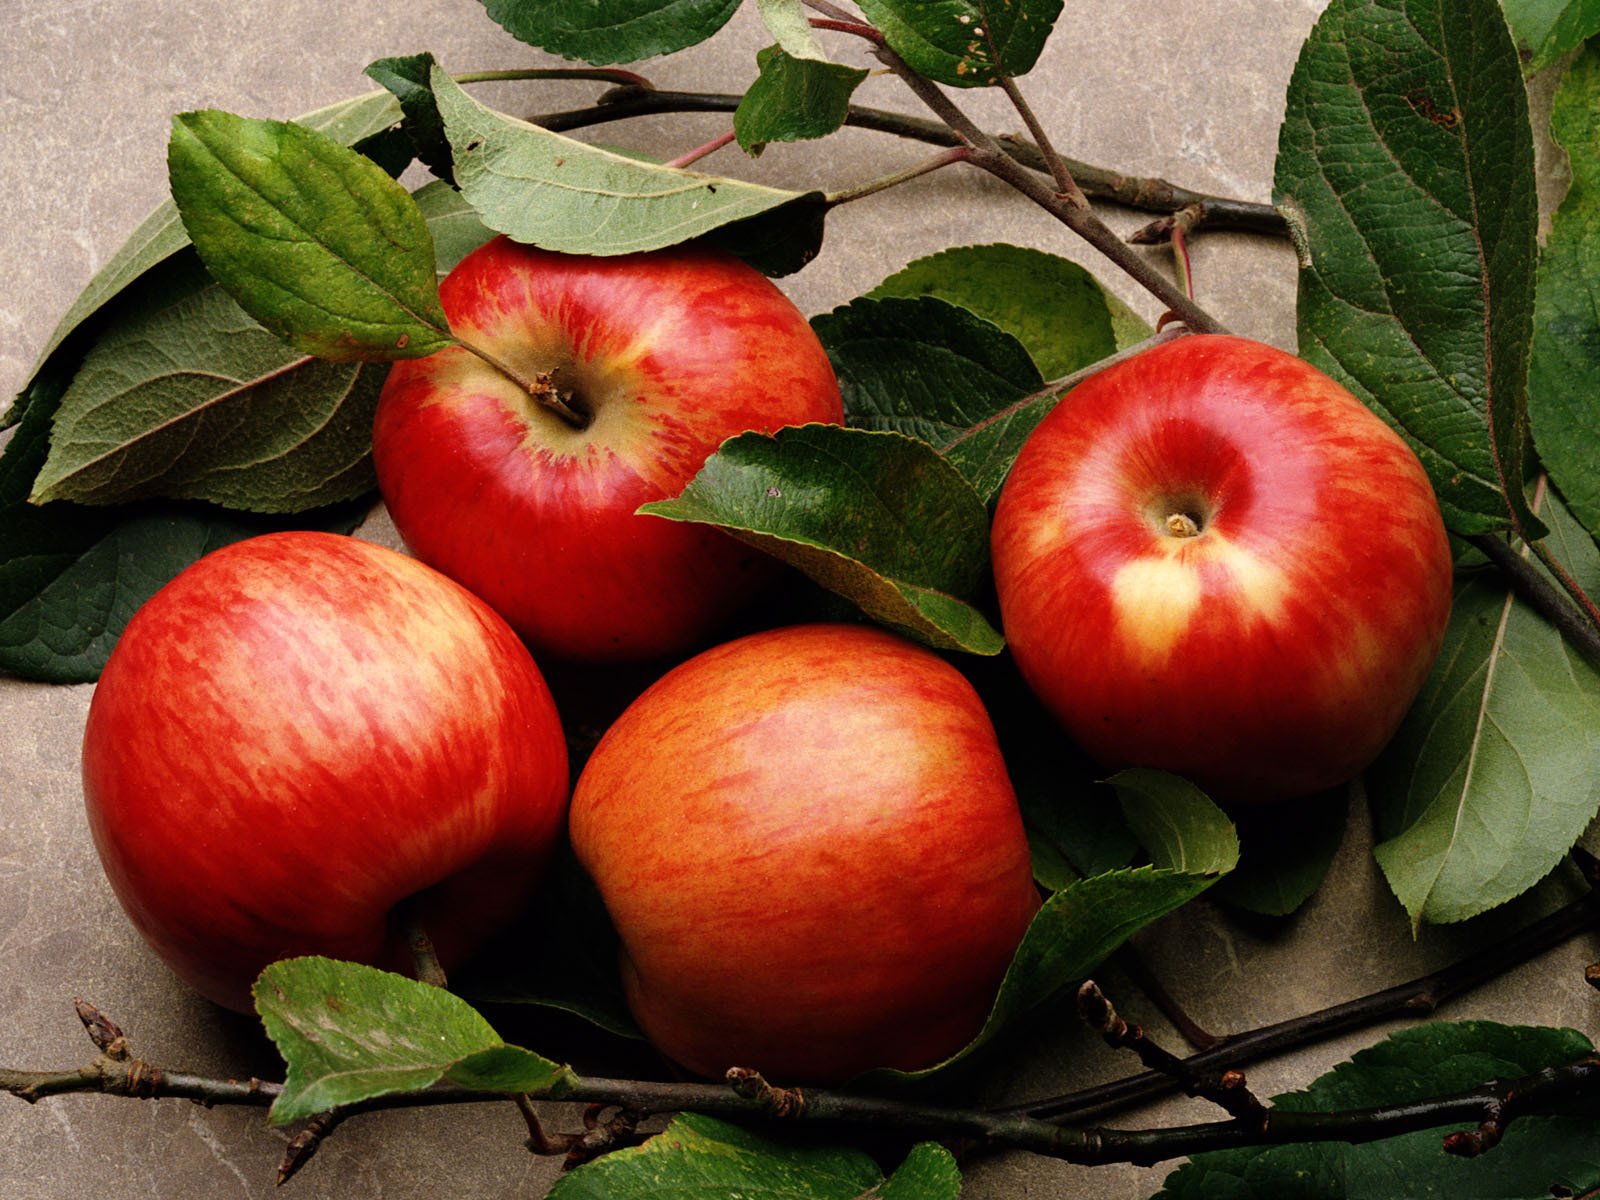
pixel 1193 92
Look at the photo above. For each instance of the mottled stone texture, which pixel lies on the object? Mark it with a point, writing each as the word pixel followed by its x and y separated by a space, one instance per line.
pixel 1191 91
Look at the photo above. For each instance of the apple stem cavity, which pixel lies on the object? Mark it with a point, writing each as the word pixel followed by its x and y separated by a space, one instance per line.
pixel 541 388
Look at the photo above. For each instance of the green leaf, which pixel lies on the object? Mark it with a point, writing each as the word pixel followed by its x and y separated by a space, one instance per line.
pixel 1073 933
pixel 927 369
pixel 1537 1156
pixel 551 191
pixel 965 43
pixel 452 223
pixel 790 24
pixel 185 397
pixel 877 517
pixel 161 234
pixel 191 399
pixel 929 1172
pixel 71 577
pixel 409 78
pixel 314 241
pixel 1493 775
pixel 1564 376
pixel 1286 850
pixel 1059 311
pixel 1546 29
pixel 1176 822
pixel 701 1156
pixel 611 31
pixel 793 99
pixel 349 1033
pixel 1405 168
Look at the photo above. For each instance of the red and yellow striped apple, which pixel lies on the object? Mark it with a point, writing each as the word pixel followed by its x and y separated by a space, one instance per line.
pixel 299 733
pixel 660 357
pixel 1213 559
pixel 809 845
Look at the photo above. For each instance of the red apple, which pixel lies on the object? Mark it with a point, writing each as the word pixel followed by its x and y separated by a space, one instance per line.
pixel 300 732
pixel 1213 559
pixel 809 846
pixel 662 357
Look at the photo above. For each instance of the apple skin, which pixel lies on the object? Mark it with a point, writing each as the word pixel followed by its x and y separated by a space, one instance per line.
pixel 669 354
pixel 302 730
pixel 810 848
pixel 1273 654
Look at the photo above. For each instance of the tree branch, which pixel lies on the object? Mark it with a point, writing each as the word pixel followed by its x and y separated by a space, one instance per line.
pixel 1543 596
pixel 1495 1103
pixel 1418 998
pixel 1129 191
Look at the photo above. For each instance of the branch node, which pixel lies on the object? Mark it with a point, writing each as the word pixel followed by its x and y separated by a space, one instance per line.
pixel 305 1143
pixel 1591 975
pixel 783 1103
pixel 106 1035
pixel 1469 1143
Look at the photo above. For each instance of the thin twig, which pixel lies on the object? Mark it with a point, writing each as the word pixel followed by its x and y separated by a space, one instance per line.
pixel 1543 596
pixel 871 188
pixel 1132 963
pixel 1417 998
pixel 1070 211
pixel 699 152
pixel 1226 1089
pixel 1143 193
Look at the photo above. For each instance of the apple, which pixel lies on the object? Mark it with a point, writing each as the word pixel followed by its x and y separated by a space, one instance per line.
pixel 811 851
pixel 1213 559
pixel 659 358
pixel 302 731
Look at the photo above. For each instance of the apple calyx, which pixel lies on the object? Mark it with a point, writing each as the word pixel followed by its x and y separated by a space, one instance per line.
pixel 1182 525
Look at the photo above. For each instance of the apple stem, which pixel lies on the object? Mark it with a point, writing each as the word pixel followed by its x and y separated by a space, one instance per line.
pixel 425 962
pixel 540 389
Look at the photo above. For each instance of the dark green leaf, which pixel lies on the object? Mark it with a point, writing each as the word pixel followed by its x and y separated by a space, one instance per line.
pixel 186 397
pixel 190 399
pixel 1537 1156
pixel 1405 167
pixel 1546 29
pixel 965 43
pixel 71 577
pixel 611 31
pixel 790 25
pixel 315 241
pixel 793 99
pixel 161 234
pixel 700 1156
pixel 409 77
pixel 1286 850
pixel 1176 823
pixel 1564 376
pixel 779 241
pixel 562 955
pixel 1496 770
pixel 1054 307
pixel 1074 824
pixel 877 517
pixel 349 1033
pixel 554 192
pixel 930 370
pixel 1076 930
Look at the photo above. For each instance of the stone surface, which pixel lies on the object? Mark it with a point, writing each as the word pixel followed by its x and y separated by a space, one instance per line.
pixel 1193 92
